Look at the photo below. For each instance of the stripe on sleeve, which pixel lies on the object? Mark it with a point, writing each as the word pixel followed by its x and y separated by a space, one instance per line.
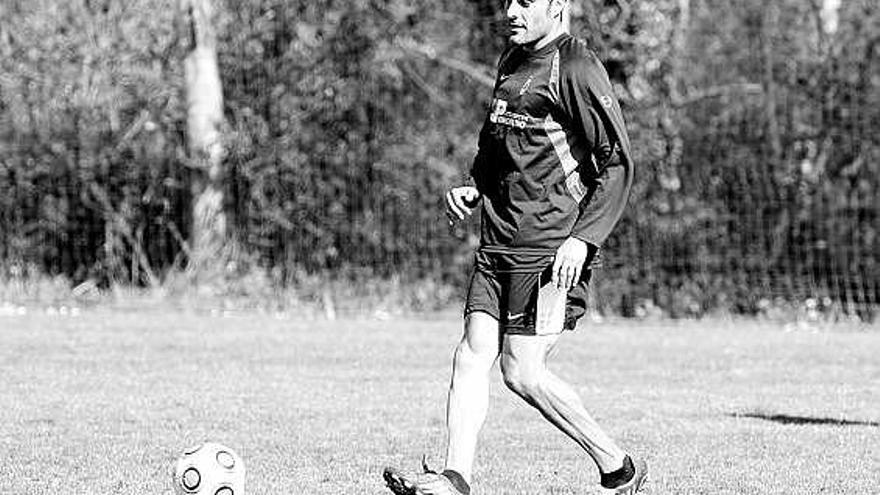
pixel 557 137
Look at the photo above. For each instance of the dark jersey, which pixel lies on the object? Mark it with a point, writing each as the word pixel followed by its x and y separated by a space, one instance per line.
pixel 553 159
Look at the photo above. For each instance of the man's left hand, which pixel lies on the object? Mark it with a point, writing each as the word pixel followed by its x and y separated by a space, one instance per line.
pixel 569 263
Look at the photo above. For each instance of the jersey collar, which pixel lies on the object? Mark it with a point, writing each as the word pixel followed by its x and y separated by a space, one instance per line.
pixel 546 49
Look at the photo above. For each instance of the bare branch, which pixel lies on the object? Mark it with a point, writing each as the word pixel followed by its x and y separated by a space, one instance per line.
pixel 478 73
pixel 420 82
pixel 116 220
pixel 133 129
pixel 718 91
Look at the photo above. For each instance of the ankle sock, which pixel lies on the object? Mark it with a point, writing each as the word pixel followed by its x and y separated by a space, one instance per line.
pixel 620 477
pixel 457 481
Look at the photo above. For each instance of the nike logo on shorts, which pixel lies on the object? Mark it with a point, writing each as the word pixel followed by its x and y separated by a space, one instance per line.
pixel 511 316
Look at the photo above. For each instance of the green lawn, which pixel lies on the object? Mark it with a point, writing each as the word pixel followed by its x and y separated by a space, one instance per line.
pixel 103 402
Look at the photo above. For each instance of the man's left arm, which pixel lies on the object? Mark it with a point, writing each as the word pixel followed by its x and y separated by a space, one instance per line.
pixel 610 176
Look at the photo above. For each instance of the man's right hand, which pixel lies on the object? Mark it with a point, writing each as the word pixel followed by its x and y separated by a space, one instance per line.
pixel 460 202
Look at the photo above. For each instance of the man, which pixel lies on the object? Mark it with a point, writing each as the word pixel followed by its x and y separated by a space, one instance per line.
pixel 553 173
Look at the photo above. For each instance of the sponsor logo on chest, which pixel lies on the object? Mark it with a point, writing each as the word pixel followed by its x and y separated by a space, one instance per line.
pixel 499 115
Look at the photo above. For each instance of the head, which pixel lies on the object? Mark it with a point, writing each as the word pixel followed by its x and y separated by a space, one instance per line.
pixel 534 22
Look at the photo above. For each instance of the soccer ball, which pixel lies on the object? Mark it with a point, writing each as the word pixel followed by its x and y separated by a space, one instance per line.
pixel 209 469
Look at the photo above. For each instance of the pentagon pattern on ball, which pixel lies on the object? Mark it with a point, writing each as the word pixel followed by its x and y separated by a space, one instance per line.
pixel 209 469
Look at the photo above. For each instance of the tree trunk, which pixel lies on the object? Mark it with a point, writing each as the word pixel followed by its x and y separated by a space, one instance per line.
pixel 204 97
pixel 771 24
pixel 672 114
pixel 830 16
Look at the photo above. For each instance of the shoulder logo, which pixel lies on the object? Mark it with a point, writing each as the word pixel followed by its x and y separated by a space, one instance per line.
pixel 606 101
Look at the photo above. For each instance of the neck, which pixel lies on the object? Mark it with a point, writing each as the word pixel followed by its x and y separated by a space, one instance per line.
pixel 558 29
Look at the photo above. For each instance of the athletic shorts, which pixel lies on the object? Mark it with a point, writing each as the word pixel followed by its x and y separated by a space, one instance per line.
pixel 507 286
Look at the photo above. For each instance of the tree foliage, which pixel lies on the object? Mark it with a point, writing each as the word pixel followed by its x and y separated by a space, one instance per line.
pixel 754 127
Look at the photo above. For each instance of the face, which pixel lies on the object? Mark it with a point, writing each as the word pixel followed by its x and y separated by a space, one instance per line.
pixel 532 20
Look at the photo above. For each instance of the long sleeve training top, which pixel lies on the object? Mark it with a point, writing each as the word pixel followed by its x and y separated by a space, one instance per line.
pixel 553 158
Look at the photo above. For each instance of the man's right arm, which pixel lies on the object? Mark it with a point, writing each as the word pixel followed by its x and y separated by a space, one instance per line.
pixel 478 170
pixel 477 173
pixel 460 200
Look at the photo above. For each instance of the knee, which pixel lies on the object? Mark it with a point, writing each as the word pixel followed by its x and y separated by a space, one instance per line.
pixel 524 381
pixel 467 359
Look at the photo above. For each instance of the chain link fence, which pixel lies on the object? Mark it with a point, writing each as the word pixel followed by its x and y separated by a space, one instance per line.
pixel 757 179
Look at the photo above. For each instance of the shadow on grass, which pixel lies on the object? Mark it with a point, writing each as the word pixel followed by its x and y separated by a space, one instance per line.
pixel 787 419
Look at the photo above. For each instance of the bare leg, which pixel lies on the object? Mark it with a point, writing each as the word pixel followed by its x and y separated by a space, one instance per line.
pixel 524 365
pixel 469 390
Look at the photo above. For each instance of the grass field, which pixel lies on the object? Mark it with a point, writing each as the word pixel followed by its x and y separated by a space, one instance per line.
pixel 103 402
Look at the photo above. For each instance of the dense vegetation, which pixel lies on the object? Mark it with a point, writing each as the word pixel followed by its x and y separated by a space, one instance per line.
pixel 755 128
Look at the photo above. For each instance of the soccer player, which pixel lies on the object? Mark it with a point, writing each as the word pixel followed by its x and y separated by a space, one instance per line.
pixel 553 173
